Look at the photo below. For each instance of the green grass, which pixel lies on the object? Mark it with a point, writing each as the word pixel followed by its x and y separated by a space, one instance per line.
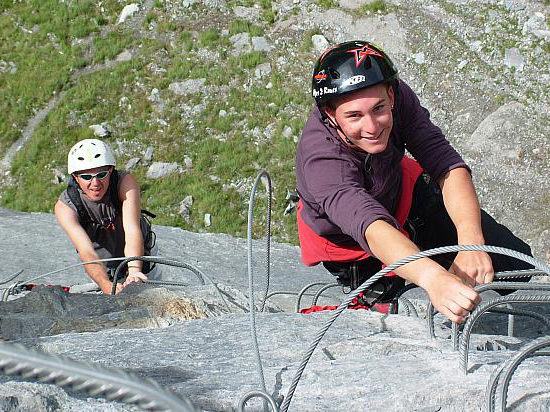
pixel 243 26
pixel 377 6
pixel 327 4
pixel 39 38
pixel 94 99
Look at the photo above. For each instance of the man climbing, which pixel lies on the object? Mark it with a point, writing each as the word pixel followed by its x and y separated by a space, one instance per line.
pixel 101 212
pixel 363 203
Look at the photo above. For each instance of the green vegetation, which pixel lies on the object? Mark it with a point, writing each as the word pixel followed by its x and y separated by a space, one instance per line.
pixel 377 6
pixel 226 150
pixel 327 4
pixel 41 41
pixel 243 26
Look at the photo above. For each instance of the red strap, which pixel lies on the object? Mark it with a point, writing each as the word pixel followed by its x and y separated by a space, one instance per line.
pixel 31 286
pixel 377 307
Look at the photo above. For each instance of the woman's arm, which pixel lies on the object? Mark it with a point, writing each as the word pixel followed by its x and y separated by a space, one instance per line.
pixel 462 205
pixel 68 220
pixel 449 295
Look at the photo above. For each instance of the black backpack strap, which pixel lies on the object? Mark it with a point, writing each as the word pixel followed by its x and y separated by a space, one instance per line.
pixel 147 213
pixel 113 191
pixel 72 192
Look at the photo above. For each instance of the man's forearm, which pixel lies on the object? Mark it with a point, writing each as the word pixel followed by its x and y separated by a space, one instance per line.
pixel 389 245
pixel 96 271
pixel 461 202
pixel 134 247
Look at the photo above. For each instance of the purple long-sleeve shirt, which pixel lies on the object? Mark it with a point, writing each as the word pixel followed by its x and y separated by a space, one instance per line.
pixel 344 190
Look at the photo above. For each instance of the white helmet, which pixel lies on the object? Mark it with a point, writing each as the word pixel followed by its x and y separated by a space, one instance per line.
pixel 88 154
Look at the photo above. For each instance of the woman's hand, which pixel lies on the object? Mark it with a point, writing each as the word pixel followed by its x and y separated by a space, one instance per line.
pixel 473 267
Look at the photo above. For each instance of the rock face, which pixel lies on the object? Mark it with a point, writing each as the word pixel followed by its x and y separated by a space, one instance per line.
pixel 186 339
pixel 51 311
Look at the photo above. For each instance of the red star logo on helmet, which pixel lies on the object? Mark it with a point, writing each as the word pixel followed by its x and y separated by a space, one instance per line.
pixel 363 52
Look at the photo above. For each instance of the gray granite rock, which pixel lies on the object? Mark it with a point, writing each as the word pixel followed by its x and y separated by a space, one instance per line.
pixel 128 11
pixel 51 311
pixel 132 163
pixel 185 208
pixel 365 358
pixel 161 169
pixel 262 70
pixel 320 43
pixel 101 130
pixel 190 86
pixel 385 362
pixel 241 43
pixel 260 43
pixel 513 58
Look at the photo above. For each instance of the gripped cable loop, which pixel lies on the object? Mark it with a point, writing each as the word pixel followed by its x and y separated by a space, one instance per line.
pixel 170 262
pixel 157 259
pixel 511 274
pixel 114 385
pixel 484 307
pixel 501 285
pixel 501 376
pixel 445 249
pixel 251 307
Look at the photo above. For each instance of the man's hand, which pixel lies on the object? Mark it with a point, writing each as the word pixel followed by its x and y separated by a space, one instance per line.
pixel 134 277
pixel 450 296
pixel 473 267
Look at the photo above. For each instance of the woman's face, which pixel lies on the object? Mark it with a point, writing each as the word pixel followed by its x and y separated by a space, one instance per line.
pixel 365 117
pixel 94 182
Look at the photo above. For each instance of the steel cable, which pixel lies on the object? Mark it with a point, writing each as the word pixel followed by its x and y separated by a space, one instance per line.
pixel 303 291
pixel 113 385
pixel 483 307
pixel 268 240
pixel 320 291
pixel 169 262
pixel 427 253
pixel 15 288
pixel 499 285
pixel 502 375
pixel 10 278
pixel 254 394
pixel 251 306
pixel 511 274
pixel 409 307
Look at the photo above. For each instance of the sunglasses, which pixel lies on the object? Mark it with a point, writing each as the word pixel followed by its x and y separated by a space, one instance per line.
pixel 89 176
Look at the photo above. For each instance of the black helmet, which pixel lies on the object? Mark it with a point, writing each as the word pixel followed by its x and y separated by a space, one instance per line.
pixel 350 66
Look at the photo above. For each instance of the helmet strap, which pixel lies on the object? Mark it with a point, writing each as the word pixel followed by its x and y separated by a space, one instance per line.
pixel 335 125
